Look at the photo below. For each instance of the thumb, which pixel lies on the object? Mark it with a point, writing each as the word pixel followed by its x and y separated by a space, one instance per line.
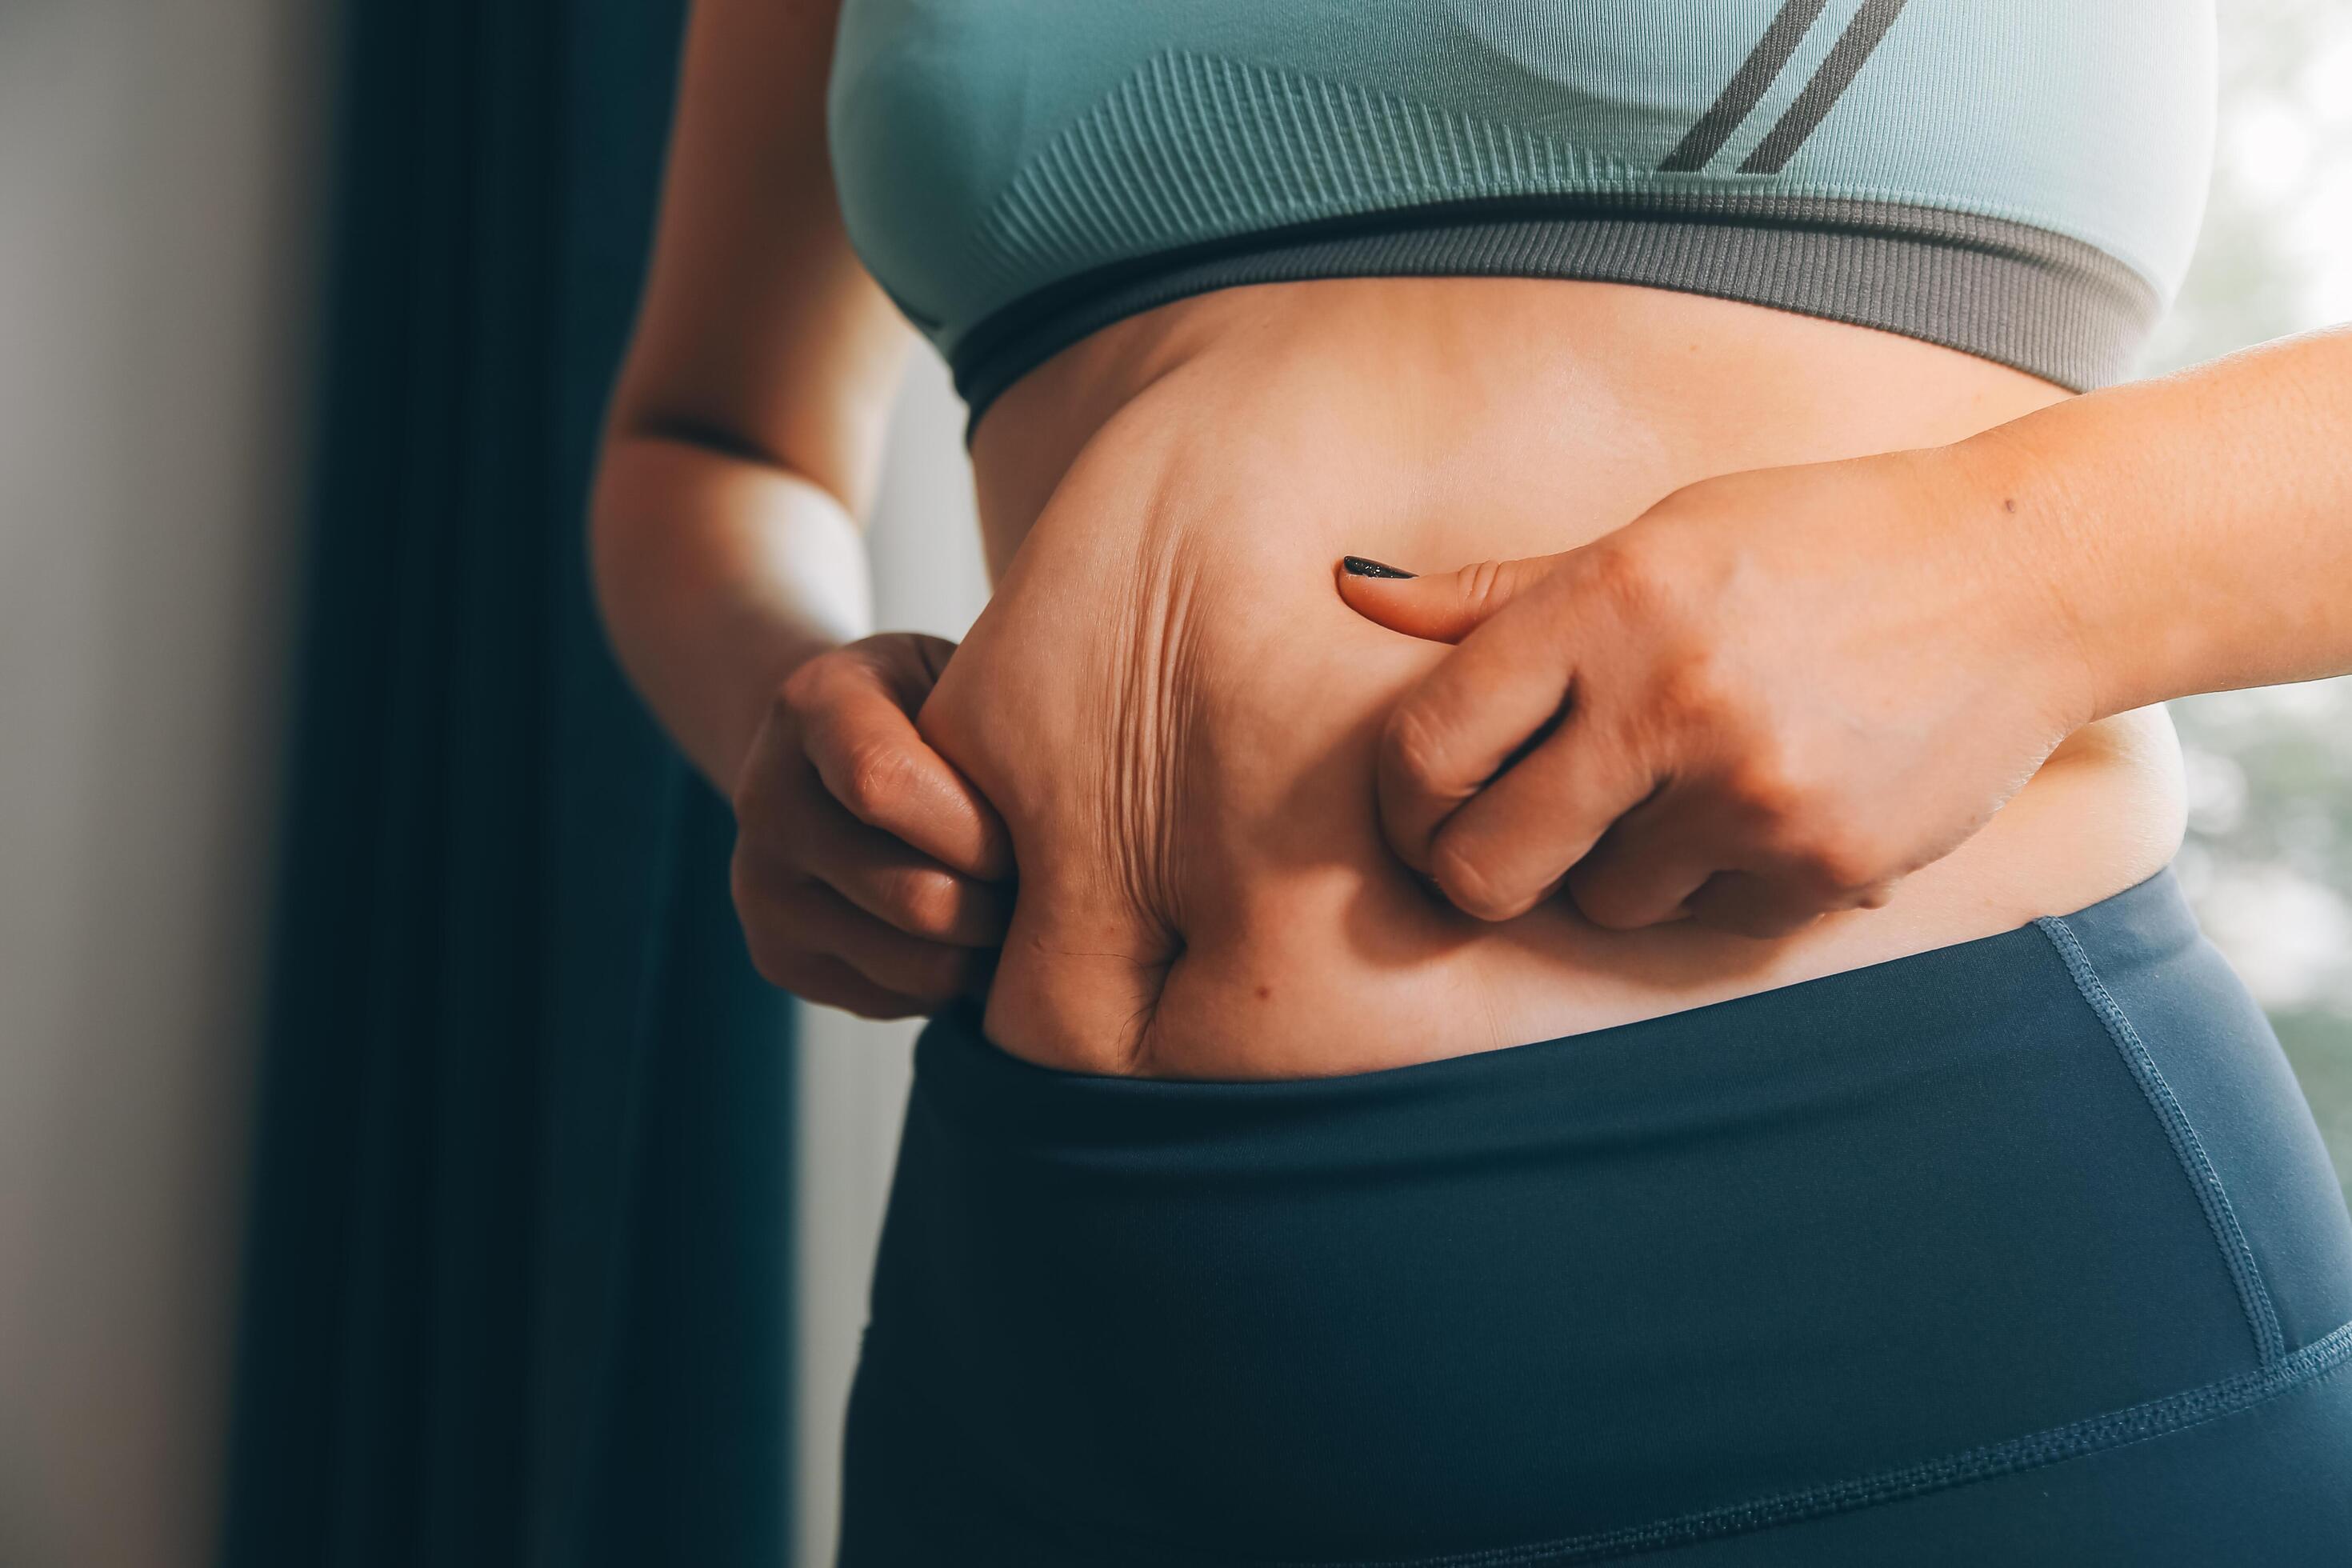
pixel 1445 606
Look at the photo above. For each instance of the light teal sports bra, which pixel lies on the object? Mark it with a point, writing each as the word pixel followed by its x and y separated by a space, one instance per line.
pixel 2018 179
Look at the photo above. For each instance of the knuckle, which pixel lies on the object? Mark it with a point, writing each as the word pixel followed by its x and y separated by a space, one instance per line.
pixel 743 881
pixel 920 902
pixel 801 692
pixel 770 936
pixel 757 776
pixel 778 961
pixel 760 881
pixel 1481 584
pixel 1469 882
pixel 1808 829
pixel 874 776
pixel 1624 576
pixel 810 678
pixel 1877 895
pixel 1692 689
pixel 1414 744
pixel 746 798
pixel 1766 794
pixel 1821 861
pixel 1846 863
pixel 756 800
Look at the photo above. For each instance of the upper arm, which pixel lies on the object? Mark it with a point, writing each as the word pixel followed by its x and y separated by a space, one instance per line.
pixel 759 331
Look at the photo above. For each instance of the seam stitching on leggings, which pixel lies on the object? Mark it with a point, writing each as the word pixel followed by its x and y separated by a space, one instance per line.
pixel 2112 1429
pixel 2254 1295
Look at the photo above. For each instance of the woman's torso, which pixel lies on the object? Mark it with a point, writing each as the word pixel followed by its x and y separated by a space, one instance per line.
pixel 1176 714
pixel 1236 288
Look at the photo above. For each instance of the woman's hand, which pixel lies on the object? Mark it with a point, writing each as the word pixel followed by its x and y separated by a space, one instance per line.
pixel 866 869
pixel 1771 696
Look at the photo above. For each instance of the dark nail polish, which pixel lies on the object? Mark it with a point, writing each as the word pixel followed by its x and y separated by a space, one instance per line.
pixel 1357 566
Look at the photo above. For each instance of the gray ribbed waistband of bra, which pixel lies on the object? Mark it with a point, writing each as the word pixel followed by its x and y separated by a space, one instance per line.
pixel 2043 303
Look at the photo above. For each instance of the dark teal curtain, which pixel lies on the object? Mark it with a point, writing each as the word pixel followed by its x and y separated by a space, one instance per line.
pixel 517 1287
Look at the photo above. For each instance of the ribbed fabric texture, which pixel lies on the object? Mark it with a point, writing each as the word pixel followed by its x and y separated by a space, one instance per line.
pixel 2010 178
pixel 2048 305
pixel 1194 146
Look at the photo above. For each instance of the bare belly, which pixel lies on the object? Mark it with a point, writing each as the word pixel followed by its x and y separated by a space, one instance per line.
pixel 1176 715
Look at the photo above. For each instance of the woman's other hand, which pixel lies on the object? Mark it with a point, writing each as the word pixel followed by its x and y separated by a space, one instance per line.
pixel 1771 696
pixel 867 872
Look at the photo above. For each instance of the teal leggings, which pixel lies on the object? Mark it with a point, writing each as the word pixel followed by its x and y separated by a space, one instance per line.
pixel 2021 1251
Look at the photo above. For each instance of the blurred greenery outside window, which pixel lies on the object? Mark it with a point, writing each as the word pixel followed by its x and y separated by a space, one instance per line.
pixel 2269 858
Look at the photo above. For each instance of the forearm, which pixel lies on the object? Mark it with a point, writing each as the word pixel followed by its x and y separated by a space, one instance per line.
pixel 716 575
pixel 2193 532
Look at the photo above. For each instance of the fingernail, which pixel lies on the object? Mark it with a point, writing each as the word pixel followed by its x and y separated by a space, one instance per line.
pixel 1358 566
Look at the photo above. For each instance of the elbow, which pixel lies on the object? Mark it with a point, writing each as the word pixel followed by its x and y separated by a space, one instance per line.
pixel 649 466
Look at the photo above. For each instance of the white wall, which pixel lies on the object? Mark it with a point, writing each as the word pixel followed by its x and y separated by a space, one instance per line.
pixel 928 577
pixel 156 161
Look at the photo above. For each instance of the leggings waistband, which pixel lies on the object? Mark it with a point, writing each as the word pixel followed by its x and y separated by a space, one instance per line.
pixel 1760 1055
pixel 1666 1271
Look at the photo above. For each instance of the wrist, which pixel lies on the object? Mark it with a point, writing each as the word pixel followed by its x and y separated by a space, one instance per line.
pixel 2011 504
